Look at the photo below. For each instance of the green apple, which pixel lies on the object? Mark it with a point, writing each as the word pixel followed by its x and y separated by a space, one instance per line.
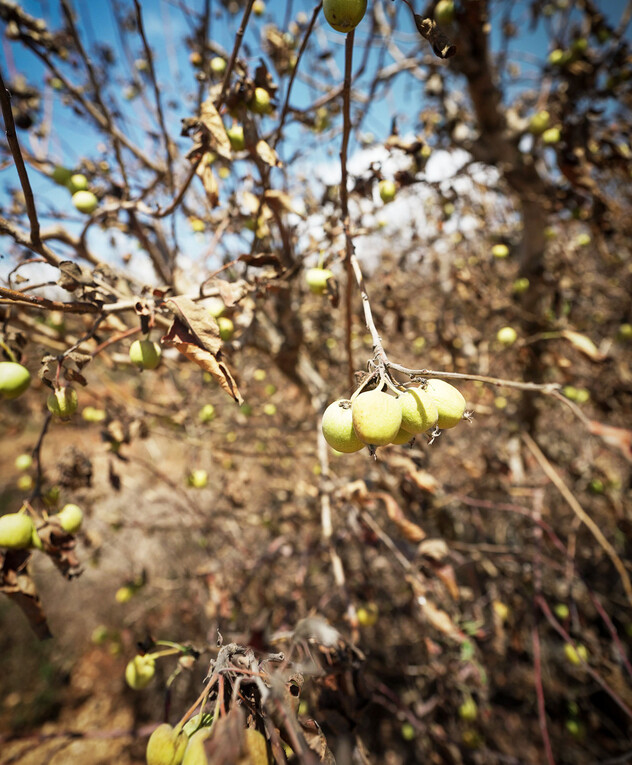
pixel 16 531
pixel 575 655
pixel 166 746
pixel 368 615
pixel 377 417
pixel 316 279
pixel 403 437
pixel 198 479
pixel 539 122
pixel 558 57
pixel 145 354
pixel 338 429
pixel 62 402
pixel 61 175
pixel 344 15
pixel 500 251
pixel 551 136
pixel 450 403
pixel 235 135
pixel 23 461
pixel 77 182
pixel 197 225
pixel 71 518
pixel 140 671
pixel 624 332
pixel 506 336
pixel 215 306
pixel 56 84
pixel 468 710
pixel 520 285
pixel 444 12
pixel 85 201
pixel 124 594
pixel 226 328
pixel 195 753
pixel 260 102
pixel 91 414
pixel 218 65
pixel 24 483
pixel 14 379
pixel 387 190
pixel 206 413
pixel 258 7
pixel 419 411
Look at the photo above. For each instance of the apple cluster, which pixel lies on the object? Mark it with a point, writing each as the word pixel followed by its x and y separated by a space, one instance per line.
pixel 83 199
pixel 376 418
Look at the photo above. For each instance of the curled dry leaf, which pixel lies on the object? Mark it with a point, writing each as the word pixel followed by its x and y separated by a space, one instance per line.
pixel 210 184
pixel 18 586
pixel 619 438
pixel 268 154
pixel 584 344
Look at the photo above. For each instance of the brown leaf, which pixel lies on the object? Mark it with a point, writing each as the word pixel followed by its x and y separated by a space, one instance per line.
pixel 210 119
pixel 20 587
pixel 446 575
pixel 619 438
pixel 268 154
pixel 279 200
pixel 584 344
pixel 317 742
pixel 428 29
pixel 261 259
pixel 410 530
pixel 210 184
pixel 73 276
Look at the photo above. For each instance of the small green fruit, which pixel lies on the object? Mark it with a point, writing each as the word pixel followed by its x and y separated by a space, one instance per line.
pixel 344 15
pixel 226 328
pixel 56 84
pixel 551 136
pixel 62 402
pixel 377 417
pixel 166 746
pixel 625 332
pixel 77 182
pixel 520 285
pixel 260 102
pixel 258 7
pixel 558 57
pixel 16 531
pixel 387 190
pixel 539 122
pixel 140 671
pixel 444 12
pixel 215 306
pixel 206 413
pixel 24 483
pixel 145 354
pixel 61 175
pixel 195 753
pixel 450 403
pixel 91 414
pixel 316 279
pixel 23 461
pixel 419 411
pixel 124 594
pixel 85 201
pixel 576 655
pixel 403 437
pixel 197 225
pixel 71 518
pixel 506 336
pixel 468 710
pixel 500 251
pixel 338 428
pixel 236 137
pixel 368 615
pixel 198 479
pixel 14 379
pixel 562 611
pixel 218 65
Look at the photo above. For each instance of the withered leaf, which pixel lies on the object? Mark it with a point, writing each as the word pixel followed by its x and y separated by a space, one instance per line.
pixel 211 119
pixel 619 438
pixel 74 276
pixel 18 586
pixel 279 200
pixel 428 29
pixel 268 154
pixel 583 344
pixel 210 184
pixel 410 530
pixel 317 742
pixel 261 259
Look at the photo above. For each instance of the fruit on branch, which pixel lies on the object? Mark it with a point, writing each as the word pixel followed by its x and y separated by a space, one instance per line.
pixel 16 531
pixel 145 354
pixel 14 379
pixel 552 136
pixel 444 12
pixel 166 746
pixel 77 182
pixel 206 413
pixel 71 518
pixel 507 336
pixel 235 135
pixel 419 411
pixel 140 671
pixel 403 437
pixel 450 403
pixel 260 102
pixel 387 190
pixel 468 710
pixel 61 175
pixel 368 615
pixel 316 279
pixel 559 57
pixel 85 201
pixel 338 427
pixel 624 332
pixel 197 225
pixel 91 414
pixel 62 402
pixel 226 328
pixel 23 461
pixel 344 15
pixel 575 655
pixel 56 83
pixel 215 306
pixel 539 122
pixel 195 753
pixel 377 417
pixel 218 65
pixel 258 7
pixel 500 251
pixel 198 479
pixel 24 483
pixel 124 594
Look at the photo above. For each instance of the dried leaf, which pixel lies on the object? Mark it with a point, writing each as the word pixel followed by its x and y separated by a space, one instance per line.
pixel 435 549
pixel 441 621
pixel 619 438
pixel 446 575
pixel 429 30
pixel 74 276
pixel 279 200
pixel 20 587
pixel 317 742
pixel 584 344
pixel 261 259
pixel 200 326
pixel 410 530
pixel 211 120
pixel 268 154
pixel 210 184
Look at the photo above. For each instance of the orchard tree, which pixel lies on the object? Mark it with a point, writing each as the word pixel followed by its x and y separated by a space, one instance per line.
pixel 343 287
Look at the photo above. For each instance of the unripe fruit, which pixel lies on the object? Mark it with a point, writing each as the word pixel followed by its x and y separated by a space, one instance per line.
pixel 260 102
pixel 403 437
pixel 507 336
pixel 23 461
pixel 166 746
pixel 206 413
pixel 258 7
pixel 218 65
pixel 215 306
pixel 124 594
pixel 387 190
pixel 625 332
pixel 368 615
pixel 419 411
pixel 196 58
pixel 16 531
pixel 539 122
pixel 575 655
pixel 450 403
pixel 338 428
pixel 236 137
pixel 56 83
pixel 256 747
pixel 226 328
pixel 85 201
pixel 197 225
pixel 557 57
pixel 62 402
pixel 71 518
pixel 24 483
pixel 91 414
pixel 316 279
pixel 61 175
pixel 198 479
pixel 377 417
pixel 551 136
pixel 344 15
pixel 500 250
pixel 140 671
pixel 195 753
pixel 77 182
pixel 145 354
pixel 444 12
pixel 468 710
pixel 14 379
